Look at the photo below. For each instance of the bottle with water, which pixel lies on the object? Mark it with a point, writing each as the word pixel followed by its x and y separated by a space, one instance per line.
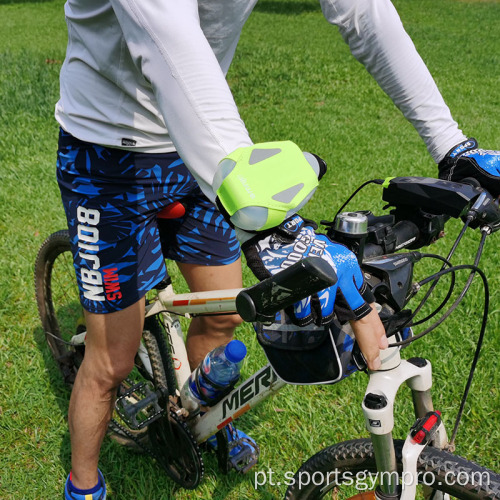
pixel 215 375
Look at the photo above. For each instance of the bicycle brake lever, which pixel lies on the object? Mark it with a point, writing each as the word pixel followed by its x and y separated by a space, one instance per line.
pixel 485 213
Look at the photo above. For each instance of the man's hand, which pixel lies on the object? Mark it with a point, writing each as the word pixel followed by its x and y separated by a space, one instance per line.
pixel 272 251
pixel 466 160
pixel 370 335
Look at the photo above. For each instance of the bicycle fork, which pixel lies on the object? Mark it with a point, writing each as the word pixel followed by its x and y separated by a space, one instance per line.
pixel 378 409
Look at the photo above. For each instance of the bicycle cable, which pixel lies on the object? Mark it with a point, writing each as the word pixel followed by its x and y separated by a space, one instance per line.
pixel 474 269
pixel 59 339
pixel 435 279
pixel 478 346
pixel 446 262
pixel 372 181
pixel 409 322
pixel 444 301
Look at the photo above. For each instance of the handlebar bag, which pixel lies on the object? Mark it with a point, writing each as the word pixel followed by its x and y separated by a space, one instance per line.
pixel 308 355
pixel 315 355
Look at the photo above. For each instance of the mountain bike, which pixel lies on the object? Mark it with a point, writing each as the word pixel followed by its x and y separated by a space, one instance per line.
pixel 150 414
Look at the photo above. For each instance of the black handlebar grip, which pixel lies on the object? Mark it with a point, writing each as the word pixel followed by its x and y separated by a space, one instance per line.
pixel 262 301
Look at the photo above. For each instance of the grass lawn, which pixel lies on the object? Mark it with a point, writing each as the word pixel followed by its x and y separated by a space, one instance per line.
pixel 293 78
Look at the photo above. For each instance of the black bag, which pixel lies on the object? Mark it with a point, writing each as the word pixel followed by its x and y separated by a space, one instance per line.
pixel 308 355
pixel 320 355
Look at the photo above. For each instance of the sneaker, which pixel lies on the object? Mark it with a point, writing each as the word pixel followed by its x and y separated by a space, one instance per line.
pixel 242 450
pixel 98 492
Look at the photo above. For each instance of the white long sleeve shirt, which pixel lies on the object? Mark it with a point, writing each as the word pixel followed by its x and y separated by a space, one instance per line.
pixel 141 75
pixel 150 74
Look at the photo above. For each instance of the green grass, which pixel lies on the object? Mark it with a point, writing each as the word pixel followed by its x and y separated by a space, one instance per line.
pixel 293 78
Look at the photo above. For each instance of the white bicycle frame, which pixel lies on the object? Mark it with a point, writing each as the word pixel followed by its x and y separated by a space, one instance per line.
pixel 248 394
pixel 383 383
pixel 263 383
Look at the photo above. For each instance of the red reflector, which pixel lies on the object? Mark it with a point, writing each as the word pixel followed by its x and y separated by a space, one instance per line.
pixel 419 437
pixel 429 424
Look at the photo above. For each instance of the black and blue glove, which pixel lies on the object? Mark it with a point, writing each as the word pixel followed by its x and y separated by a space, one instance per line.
pixel 271 251
pixel 465 160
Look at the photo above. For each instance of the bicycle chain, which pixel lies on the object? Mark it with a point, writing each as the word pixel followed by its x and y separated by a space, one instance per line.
pixel 118 428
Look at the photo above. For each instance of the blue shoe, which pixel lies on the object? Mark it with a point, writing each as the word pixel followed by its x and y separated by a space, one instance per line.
pixel 98 492
pixel 243 451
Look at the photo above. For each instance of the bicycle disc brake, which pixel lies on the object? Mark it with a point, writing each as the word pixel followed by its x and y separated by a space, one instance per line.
pixel 176 450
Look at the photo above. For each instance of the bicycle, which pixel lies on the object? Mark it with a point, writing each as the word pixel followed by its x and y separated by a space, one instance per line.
pixel 150 414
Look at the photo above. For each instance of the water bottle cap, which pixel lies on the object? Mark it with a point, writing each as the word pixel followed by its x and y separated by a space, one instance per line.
pixel 235 351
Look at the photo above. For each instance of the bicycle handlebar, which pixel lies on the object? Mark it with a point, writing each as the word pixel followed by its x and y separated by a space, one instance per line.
pixel 421 208
pixel 403 235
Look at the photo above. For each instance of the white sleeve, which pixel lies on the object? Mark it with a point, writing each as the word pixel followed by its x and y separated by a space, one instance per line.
pixel 222 22
pixel 376 38
pixel 167 44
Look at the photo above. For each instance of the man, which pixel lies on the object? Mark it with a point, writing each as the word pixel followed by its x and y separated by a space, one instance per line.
pixel 140 83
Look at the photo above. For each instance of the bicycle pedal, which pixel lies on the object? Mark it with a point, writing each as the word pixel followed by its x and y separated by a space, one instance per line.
pixel 246 458
pixel 138 406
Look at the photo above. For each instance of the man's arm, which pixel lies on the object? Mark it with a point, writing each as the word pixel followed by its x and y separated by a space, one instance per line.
pixel 377 39
pixel 168 46
pixel 222 22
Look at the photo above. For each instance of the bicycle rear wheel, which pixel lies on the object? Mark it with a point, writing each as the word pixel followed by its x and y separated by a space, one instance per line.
pixel 62 317
pixel 58 302
pixel 341 471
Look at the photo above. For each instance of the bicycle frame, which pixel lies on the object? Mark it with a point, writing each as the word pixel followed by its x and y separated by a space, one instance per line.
pixel 248 394
pixel 385 383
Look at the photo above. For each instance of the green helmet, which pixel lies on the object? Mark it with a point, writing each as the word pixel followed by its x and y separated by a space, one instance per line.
pixel 260 186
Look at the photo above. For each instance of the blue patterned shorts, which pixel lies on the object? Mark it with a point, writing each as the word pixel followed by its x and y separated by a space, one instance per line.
pixel 111 198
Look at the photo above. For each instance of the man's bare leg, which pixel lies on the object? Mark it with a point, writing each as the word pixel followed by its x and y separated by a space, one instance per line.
pixel 207 332
pixel 111 344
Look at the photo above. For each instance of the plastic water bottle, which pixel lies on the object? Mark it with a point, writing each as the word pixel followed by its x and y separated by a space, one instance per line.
pixel 219 370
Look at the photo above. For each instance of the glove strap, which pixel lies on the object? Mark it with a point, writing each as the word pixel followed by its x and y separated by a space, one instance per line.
pixel 461 148
pixel 454 153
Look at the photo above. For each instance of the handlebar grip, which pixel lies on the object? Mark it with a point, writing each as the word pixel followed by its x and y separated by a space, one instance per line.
pixel 262 301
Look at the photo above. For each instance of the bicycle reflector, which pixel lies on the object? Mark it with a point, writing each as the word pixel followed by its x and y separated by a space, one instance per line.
pixel 424 428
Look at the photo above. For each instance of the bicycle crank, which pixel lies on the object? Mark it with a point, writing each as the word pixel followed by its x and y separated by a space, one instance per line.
pixel 176 450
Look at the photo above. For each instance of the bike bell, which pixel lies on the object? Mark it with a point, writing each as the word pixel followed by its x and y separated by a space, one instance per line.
pixel 351 229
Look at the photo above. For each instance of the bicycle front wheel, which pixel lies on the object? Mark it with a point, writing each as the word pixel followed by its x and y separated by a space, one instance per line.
pixel 347 470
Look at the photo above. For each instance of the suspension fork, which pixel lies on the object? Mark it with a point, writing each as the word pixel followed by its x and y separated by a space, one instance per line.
pixel 422 404
pixel 378 409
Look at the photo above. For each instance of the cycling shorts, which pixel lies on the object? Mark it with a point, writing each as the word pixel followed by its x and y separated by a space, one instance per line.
pixel 111 198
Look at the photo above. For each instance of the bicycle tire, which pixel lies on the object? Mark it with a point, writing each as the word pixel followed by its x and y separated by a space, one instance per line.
pixel 59 307
pixel 439 469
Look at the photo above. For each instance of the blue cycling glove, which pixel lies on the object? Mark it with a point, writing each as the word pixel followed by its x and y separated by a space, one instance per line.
pixel 466 160
pixel 272 251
